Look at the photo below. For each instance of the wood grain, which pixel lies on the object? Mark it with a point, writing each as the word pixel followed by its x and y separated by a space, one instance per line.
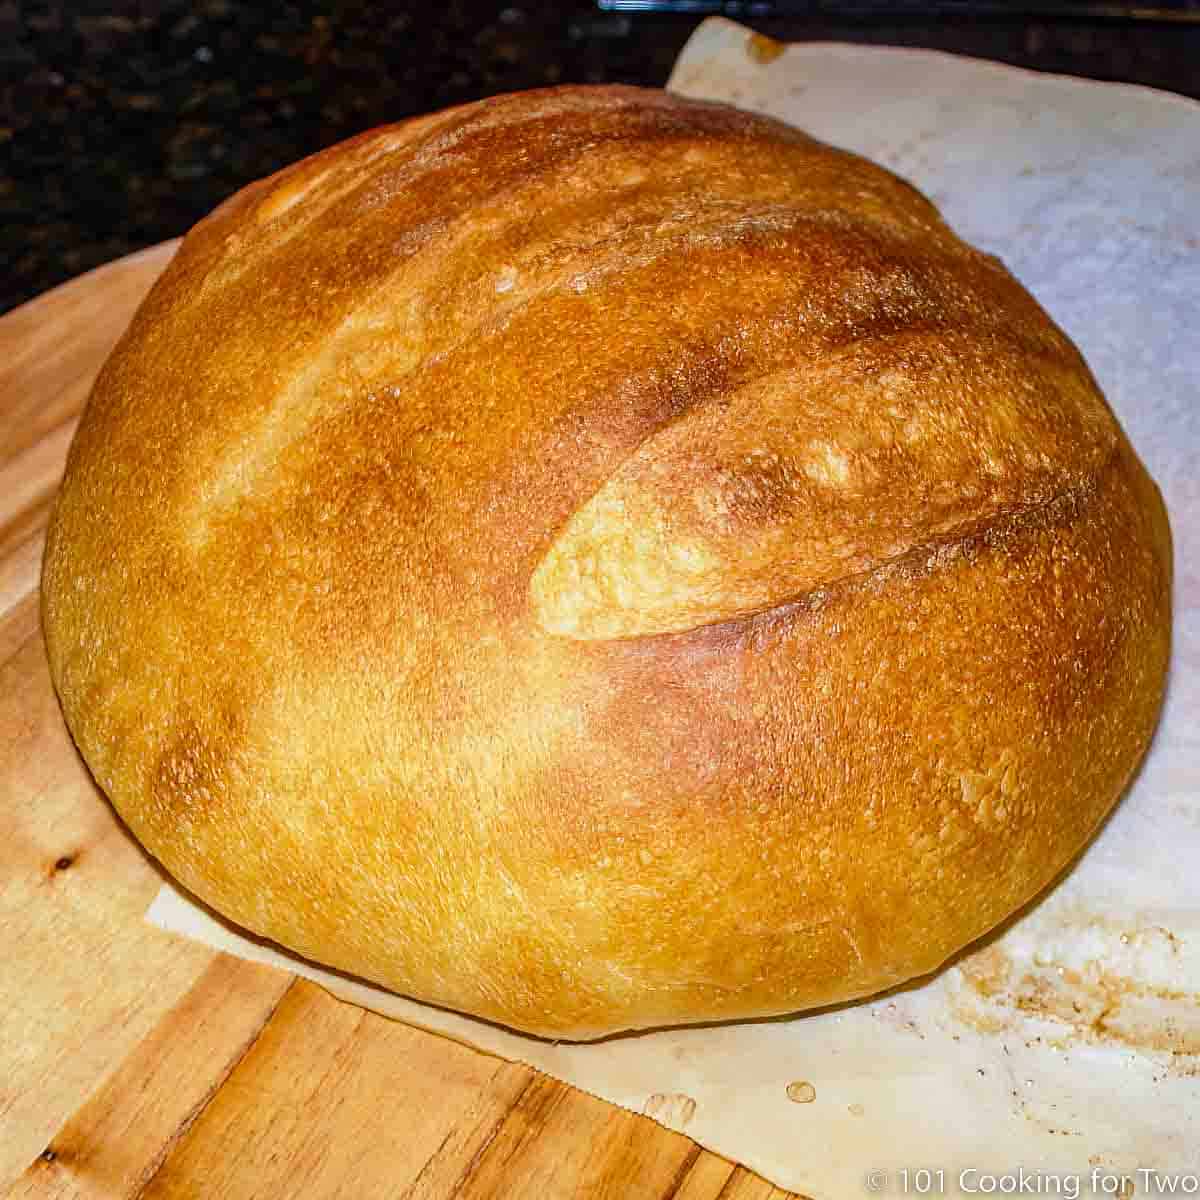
pixel 333 1100
pixel 137 1064
pixel 118 1139
pixel 84 979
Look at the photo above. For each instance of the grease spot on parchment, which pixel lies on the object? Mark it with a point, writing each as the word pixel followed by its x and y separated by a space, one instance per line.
pixel 763 49
pixel 675 1109
pixel 800 1091
pixel 1093 1001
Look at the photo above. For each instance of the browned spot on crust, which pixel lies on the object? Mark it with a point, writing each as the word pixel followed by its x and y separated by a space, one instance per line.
pixel 192 778
pixel 187 771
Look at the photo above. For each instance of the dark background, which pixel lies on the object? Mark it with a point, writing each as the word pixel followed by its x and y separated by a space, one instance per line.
pixel 123 123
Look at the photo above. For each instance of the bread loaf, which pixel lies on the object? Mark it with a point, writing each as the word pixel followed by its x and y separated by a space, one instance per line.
pixel 597 560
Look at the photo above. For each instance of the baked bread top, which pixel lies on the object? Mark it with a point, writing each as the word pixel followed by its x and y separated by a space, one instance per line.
pixel 597 559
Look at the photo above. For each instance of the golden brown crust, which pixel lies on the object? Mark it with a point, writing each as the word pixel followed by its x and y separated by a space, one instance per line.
pixel 595 559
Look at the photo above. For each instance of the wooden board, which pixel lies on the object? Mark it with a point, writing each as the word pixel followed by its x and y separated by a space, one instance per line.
pixel 134 1063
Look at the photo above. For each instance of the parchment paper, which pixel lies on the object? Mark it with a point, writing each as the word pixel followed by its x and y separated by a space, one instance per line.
pixel 1069 1047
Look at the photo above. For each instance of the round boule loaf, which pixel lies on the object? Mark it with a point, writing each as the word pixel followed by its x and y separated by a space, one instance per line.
pixel 596 560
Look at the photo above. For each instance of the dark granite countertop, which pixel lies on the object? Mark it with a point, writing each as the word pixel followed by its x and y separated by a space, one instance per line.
pixel 123 123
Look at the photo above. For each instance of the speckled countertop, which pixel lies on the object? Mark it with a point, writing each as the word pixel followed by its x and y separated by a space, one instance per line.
pixel 123 123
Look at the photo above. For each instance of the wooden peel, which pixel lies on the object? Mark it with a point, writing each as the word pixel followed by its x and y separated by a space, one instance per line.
pixel 134 1063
